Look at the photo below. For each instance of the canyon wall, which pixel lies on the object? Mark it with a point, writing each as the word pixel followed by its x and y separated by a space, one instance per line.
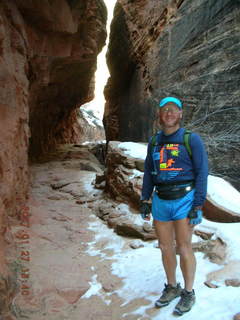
pixel 188 49
pixel 48 52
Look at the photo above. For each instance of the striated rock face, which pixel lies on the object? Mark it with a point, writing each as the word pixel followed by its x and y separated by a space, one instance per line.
pixel 189 49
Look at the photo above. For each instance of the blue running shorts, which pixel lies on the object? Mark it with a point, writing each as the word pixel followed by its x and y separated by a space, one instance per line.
pixel 171 210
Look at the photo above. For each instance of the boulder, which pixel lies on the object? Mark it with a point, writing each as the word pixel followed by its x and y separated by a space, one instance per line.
pixel 124 220
pixel 123 179
pixel 215 212
pixel 214 250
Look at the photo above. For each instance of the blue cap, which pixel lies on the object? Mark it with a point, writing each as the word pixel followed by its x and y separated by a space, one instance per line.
pixel 170 99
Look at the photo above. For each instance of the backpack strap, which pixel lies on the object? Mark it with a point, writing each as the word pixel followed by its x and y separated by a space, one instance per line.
pixel 154 141
pixel 186 140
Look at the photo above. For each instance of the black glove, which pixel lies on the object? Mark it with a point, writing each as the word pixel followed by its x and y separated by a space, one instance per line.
pixel 195 216
pixel 145 210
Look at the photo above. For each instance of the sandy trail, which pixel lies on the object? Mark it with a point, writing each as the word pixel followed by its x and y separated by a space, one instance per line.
pixel 55 265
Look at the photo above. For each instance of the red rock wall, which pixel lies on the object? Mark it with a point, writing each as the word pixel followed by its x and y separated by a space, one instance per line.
pixel 48 52
pixel 14 110
pixel 65 38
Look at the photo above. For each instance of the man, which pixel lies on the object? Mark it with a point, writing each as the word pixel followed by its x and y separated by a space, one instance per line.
pixel 178 176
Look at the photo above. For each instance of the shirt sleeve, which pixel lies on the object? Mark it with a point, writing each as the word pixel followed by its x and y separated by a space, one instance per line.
pixel 148 184
pixel 200 167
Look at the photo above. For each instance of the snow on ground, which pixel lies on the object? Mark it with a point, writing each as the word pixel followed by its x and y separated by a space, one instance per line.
pixel 144 276
pixel 96 289
pixel 228 232
pixel 108 239
pixel 142 270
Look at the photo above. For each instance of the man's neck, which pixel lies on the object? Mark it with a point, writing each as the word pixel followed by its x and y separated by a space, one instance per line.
pixel 170 130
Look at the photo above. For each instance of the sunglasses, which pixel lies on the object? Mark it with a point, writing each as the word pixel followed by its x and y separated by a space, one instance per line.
pixel 170 110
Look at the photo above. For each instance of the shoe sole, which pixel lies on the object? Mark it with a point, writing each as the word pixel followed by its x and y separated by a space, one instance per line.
pixel 177 312
pixel 162 304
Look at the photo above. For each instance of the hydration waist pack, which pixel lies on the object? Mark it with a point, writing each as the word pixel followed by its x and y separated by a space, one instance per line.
pixel 174 191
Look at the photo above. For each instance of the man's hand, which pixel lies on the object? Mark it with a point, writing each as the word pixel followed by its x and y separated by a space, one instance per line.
pixel 195 216
pixel 145 210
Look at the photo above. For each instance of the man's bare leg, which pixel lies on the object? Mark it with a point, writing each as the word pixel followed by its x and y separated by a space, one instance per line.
pixel 183 232
pixel 165 234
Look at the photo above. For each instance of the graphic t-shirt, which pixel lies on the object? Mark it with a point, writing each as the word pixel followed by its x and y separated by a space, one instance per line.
pixel 169 161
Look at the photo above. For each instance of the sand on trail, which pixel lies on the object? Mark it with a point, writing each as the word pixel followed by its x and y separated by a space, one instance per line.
pixel 55 266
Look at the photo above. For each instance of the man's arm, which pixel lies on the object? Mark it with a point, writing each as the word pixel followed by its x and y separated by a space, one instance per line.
pixel 148 185
pixel 200 167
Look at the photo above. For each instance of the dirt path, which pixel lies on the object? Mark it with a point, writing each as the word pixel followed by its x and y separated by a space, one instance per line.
pixel 56 267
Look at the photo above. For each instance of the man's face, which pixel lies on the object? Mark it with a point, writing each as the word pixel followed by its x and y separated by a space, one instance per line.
pixel 170 115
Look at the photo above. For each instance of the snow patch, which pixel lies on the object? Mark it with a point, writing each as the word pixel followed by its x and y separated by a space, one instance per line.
pixel 91 115
pixel 94 289
pixel 134 150
pixel 103 234
pixel 227 232
pixel 136 173
pixel 143 274
pixel 223 193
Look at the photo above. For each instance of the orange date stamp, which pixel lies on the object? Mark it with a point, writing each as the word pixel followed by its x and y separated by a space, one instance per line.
pixel 22 238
